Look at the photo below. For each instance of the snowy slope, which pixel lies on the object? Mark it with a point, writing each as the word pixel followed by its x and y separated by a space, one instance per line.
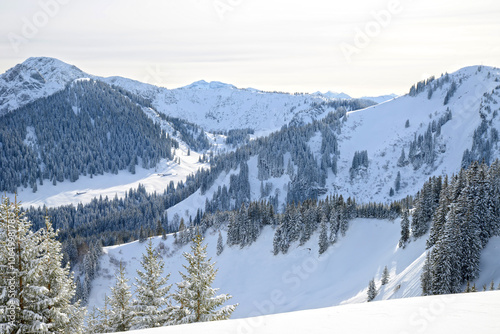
pixel 265 284
pixel 464 313
pixel 35 78
pixel 381 131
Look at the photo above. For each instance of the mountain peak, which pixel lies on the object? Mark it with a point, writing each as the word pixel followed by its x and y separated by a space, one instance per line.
pixel 34 78
pixel 202 84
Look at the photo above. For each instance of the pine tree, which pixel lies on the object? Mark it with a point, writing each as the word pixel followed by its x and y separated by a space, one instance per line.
pixel 405 230
pixel 57 311
pixel 93 323
pixel 104 317
pixel 36 288
pixel 397 182
pixel 372 290
pixel 196 298
pixel 425 278
pixel 323 237
pixel 121 315
pixel 152 306
pixel 385 276
pixel 220 244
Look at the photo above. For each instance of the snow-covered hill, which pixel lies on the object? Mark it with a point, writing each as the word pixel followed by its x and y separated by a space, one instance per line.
pixel 211 105
pixel 383 131
pixel 377 99
pixel 35 78
pixel 265 284
pixel 464 313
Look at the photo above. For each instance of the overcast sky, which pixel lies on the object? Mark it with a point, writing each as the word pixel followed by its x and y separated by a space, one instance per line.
pixel 361 47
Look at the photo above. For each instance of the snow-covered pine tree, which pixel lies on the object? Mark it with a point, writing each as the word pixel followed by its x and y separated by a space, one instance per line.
pixel 152 306
pixel 385 276
pixel 220 244
pixel 121 314
pixel 93 323
pixel 439 218
pixel 196 299
pixel 426 278
pixel 104 317
pixel 53 302
pixel 323 236
pixel 34 287
pixel 372 290
pixel 405 230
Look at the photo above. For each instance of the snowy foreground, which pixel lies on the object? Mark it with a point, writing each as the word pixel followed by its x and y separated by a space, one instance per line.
pixel 263 284
pixel 461 313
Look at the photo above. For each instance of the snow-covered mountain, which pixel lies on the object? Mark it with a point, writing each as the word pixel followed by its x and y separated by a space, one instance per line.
pixel 383 131
pixel 335 95
pixel 35 78
pixel 211 105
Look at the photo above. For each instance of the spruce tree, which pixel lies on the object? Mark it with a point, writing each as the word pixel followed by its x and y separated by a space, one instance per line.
pixel 57 310
pixel 426 278
pixel 121 314
pixel 220 244
pixel 323 237
pixel 196 299
pixel 372 290
pixel 405 230
pixel 152 306
pixel 34 286
pixel 385 276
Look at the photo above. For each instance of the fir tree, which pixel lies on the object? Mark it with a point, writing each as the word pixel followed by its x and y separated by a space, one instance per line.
pixel 197 300
pixel 385 276
pixel 151 307
pixel 372 290
pixel 121 312
pixel 220 244
pixel 323 237
pixel 35 288
pixel 405 230
pixel 57 310
pixel 425 278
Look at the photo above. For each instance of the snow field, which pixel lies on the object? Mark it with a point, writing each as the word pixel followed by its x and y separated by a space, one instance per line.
pixel 461 313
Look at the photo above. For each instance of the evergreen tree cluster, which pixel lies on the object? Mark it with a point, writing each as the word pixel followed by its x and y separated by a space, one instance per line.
pixel 86 129
pixel 431 85
pixel 485 138
pixel 425 204
pixel 359 161
pixel 153 305
pixel 237 137
pixel 424 148
pixel 105 222
pixel 36 292
pixel 466 217
pixel 190 133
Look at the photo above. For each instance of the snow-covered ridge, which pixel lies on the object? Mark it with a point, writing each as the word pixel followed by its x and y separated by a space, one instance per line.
pixel 211 105
pixel 35 78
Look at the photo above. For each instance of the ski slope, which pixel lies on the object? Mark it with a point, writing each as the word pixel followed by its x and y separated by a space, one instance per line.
pixel 265 284
pixel 461 313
